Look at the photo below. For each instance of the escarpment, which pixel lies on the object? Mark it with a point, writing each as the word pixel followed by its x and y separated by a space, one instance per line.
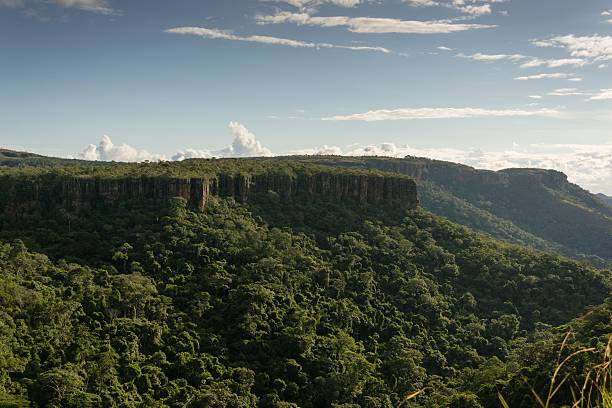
pixel 21 195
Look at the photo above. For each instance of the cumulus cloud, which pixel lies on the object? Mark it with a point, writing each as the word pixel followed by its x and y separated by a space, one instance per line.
pixel 106 150
pixel 587 165
pixel 244 145
pixel 370 25
pixel 263 39
pixel 439 113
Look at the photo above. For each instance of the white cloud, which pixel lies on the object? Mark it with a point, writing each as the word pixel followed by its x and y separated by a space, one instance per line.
pixel 567 92
pixel 370 25
pixel 442 48
pixel 263 39
pixel 493 57
pixel 604 94
pixel 106 150
pixel 313 3
pixel 556 75
pixel 244 145
pixel 554 63
pixel 535 96
pixel 94 6
pixel 606 13
pixel 533 62
pixel 473 8
pixel 439 113
pixel 596 48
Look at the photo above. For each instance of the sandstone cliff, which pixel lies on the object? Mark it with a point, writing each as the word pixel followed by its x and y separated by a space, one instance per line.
pixel 23 194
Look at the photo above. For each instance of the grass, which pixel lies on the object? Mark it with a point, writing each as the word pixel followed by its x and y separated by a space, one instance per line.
pixel 594 392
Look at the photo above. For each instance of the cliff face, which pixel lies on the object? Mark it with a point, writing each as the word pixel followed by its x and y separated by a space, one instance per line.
pixel 22 195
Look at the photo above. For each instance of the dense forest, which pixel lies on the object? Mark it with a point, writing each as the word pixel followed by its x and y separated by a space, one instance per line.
pixel 534 207
pixel 278 301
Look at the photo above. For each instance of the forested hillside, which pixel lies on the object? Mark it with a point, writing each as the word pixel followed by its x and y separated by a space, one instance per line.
pixel 534 207
pixel 605 198
pixel 316 298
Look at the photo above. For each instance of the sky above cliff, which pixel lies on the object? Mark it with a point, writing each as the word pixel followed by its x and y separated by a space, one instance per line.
pixel 489 83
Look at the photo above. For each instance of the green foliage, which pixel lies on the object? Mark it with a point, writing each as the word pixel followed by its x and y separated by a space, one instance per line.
pixel 279 303
pixel 532 207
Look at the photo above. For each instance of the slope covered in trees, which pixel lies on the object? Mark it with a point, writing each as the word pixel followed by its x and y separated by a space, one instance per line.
pixel 276 302
pixel 534 207
pixel 606 199
pixel 539 208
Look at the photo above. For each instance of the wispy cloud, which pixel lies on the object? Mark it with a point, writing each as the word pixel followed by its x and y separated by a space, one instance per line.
pixel 555 75
pixel 263 39
pixel 473 8
pixel 568 92
pixel 94 6
pixel 526 61
pixel 302 4
pixel 493 57
pixel 604 94
pixel 554 63
pixel 370 25
pixel 595 48
pixel 439 113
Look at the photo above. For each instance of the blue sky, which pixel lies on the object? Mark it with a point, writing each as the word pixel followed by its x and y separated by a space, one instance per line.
pixel 489 83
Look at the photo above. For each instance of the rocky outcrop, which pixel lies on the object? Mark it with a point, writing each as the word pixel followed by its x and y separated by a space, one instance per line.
pixel 21 195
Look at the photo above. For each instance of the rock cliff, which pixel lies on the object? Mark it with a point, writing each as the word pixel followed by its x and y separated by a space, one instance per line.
pixel 23 194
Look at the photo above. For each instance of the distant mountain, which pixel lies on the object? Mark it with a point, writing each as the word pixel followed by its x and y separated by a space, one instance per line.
pixel 535 207
pixel 606 199
pixel 12 158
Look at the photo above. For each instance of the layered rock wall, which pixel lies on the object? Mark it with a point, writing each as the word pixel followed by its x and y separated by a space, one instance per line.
pixel 20 195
